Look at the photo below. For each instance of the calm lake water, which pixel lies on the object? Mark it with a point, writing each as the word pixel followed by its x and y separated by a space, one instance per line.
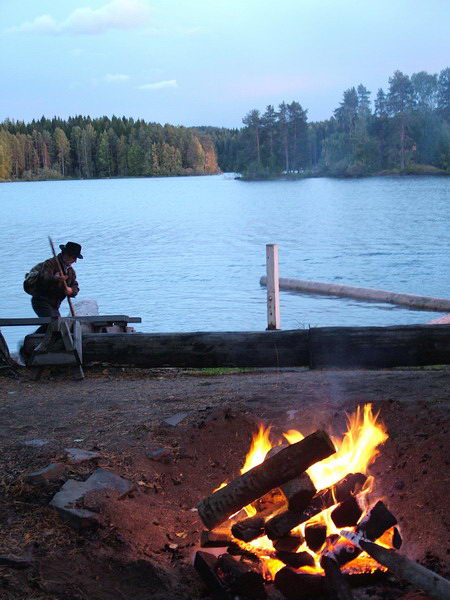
pixel 187 253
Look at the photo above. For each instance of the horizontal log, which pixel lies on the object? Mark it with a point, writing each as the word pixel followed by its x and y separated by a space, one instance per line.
pixel 266 476
pixel 322 347
pixel 360 293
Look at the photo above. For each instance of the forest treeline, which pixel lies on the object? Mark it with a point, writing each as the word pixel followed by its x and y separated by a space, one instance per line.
pixel 82 147
pixel 406 129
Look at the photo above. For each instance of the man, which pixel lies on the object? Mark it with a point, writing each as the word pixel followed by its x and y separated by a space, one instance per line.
pixel 53 280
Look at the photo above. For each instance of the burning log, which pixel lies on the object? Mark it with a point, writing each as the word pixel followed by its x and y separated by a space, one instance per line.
pixel 404 568
pixel 248 529
pixel 204 564
pixel 235 550
pixel 282 524
pixel 289 543
pixel 240 578
pixel 378 520
pixel 315 536
pixel 298 491
pixel 296 559
pixel 253 527
pixel 299 586
pixel 347 513
pixel 397 539
pixel 217 538
pixel 272 473
pixel 337 585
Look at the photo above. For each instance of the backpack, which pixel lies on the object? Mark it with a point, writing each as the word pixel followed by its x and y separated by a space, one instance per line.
pixel 30 284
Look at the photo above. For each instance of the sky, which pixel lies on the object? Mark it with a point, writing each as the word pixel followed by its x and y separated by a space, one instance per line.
pixel 208 62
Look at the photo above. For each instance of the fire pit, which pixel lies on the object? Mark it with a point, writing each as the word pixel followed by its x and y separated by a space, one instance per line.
pixel 299 516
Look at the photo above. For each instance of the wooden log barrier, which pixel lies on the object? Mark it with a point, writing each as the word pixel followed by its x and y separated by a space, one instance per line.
pixel 322 347
pixel 270 474
pixel 373 295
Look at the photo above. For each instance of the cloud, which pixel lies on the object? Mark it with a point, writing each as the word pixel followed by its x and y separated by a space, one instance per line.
pixel 116 78
pixel 117 14
pixel 159 85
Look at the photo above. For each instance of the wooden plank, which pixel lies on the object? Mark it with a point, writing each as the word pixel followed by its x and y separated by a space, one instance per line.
pixel 368 347
pixel 88 319
pixel 78 342
pixel 273 289
pixel 53 358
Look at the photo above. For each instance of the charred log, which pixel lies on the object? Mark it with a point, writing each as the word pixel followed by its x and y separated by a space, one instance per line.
pixel 347 513
pixel 315 536
pixel 397 539
pixel 248 529
pixel 378 520
pixel 204 564
pixel 282 524
pixel 240 578
pixel 299 586
pixel 272 473
pixel 298 491
pixel 217 538
pixel 296 559
pixel 336 584
pixel 289 543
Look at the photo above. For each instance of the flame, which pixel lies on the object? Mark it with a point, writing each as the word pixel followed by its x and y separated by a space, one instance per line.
pixel 354 453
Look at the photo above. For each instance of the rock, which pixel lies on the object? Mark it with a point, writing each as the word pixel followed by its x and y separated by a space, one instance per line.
pixel 72 492
pixel 15 562
pixel 160 454
pixel 36 443
pixel 78 455
pixel 175 419
pixel 44 476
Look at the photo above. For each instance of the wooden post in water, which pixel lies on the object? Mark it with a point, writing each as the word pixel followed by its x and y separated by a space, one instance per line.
pixel 273 288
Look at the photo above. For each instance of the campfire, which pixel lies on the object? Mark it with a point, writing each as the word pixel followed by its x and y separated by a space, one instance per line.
pixel 287 518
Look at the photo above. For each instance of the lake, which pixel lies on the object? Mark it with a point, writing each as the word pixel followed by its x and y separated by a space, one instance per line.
pixel 187 253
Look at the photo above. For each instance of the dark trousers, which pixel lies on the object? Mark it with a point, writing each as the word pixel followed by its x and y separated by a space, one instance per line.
pixel 43 308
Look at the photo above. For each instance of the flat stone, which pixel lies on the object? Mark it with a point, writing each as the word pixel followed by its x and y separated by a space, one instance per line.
pixel 175 419
pixel 160 454
pixel 43 476
pixel 73 492
pixel 36 443
pixel 78 455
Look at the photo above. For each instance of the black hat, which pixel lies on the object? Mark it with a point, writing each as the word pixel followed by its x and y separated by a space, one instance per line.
pixel 72 249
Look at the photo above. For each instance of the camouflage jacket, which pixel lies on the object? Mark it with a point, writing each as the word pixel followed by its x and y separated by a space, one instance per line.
pixel 50 288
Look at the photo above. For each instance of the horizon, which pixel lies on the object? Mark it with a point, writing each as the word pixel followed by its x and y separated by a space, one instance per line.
pixel 196 64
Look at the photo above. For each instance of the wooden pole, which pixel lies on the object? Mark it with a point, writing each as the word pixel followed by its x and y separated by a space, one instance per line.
pixel 402 567
pixel 61 272
pixel 273 289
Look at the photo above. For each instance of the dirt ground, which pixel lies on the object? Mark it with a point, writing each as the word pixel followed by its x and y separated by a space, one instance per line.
pixel 144 547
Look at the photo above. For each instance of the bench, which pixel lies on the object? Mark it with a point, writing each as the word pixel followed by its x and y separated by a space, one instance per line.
pixel 68 330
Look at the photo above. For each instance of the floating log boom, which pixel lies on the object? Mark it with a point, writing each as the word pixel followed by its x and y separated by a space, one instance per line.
pixel 360 293
pixel 270 474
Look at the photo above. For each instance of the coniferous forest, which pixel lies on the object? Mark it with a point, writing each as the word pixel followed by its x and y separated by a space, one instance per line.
pixel 404 129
